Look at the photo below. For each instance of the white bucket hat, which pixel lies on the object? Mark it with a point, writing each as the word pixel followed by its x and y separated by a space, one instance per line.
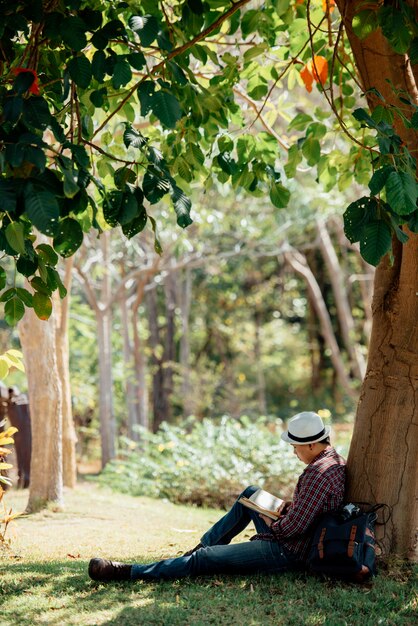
pixel 304 428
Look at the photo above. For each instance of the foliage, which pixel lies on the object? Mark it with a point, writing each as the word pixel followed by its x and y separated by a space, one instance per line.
pixel 6 438
pixel 110 107
pixel 205 463
pixel 11 359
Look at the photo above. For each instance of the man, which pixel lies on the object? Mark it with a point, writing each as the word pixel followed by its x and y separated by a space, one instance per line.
pixel 279 545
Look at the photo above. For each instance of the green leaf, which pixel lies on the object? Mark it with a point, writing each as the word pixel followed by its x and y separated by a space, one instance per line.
pixel 311 150
pixel 394 28
pixel 26 266
pixel 294 157
pixel 182 206
pixel 379 178
pixel 128 207
pixel 42 209
pixel 155 187
pixel 68 237
pixel 157 246
pixel 98 65
pixel 413 51
pixel 14 310
pixel 80 70
pixel 136 225
pixel 226 163
pixel 375 241
pixel 146 26
pixel 365 23
pixel 136 60
pixel 53 276
pixel 300 122
pixel 38 284
pixel 8 294
pixel 401 192
pixel 254 51
pixel 146 94
pixel 73 31
pixel 7 195
pixel 279 195
pixel 111 207
pixel 42 305
pixel 16 237
pixel 25 296
pixel 357 215
pixel 413 222
pixel 3 278
pixel 133 138
pixel 36 113
pixel 122 74
pixel 47 254
pixel 166 107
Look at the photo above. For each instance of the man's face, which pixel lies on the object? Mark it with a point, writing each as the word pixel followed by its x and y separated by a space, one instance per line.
pixel 304 453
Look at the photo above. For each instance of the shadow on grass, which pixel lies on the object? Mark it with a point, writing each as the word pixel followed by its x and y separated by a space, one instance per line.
pixel 60 593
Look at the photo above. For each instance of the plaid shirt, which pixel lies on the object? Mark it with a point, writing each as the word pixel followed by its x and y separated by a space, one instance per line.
pixel 320 488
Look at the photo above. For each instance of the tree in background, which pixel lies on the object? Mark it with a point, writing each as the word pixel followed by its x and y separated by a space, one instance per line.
pixel 73 74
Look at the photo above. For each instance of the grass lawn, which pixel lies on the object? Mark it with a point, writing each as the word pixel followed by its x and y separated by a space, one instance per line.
pixel 44 578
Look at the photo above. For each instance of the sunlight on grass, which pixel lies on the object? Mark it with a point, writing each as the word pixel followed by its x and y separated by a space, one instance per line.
pixel 49 584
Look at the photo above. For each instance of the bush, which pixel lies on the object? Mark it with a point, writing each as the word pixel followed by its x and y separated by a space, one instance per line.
pixel 205 463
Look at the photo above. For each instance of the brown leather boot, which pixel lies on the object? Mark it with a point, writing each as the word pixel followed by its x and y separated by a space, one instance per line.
pixel 106 571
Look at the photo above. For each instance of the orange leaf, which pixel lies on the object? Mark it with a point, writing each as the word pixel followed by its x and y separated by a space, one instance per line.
pixel 320 69
pixel 328 5
pixel 307 78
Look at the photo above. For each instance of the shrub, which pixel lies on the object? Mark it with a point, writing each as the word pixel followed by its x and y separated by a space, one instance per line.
pixel 205 463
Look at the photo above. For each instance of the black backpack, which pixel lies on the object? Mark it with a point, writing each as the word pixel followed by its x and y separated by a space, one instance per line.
pixel 343 544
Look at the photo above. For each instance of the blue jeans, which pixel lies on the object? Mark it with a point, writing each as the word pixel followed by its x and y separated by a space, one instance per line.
pixel 217 557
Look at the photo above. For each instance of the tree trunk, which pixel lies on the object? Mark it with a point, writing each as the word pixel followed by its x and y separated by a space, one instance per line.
pixel 185 299
pixel 298 262
pixel 129 369
pixel 261 381
pixel 159 399
pixel 107 419
pixel 340 294
pixel 69 437
pixel 104 328
pixel 38 342
pixel 170 345
pixel 383 456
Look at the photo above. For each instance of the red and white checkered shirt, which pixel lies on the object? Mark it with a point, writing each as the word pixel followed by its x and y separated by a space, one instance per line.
pixel 320 488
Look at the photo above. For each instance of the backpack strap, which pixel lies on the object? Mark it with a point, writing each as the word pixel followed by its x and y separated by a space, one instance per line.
pixel 351 542
pixel 321 543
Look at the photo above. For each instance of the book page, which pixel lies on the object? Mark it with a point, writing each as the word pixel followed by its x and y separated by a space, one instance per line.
pixel 266 500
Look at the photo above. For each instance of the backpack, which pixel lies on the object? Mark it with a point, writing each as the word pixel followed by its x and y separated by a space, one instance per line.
pixel 343 544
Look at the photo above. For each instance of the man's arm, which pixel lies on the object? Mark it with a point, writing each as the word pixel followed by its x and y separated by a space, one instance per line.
pixel 313 491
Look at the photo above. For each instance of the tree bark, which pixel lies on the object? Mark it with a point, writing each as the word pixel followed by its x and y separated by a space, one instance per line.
pixel 129 368
pixel 261 381
pixel 298 262
pixel 38 340
pixel 159 399
pixel 340 294
pixel 383 457
pixel 185 300
pixel 69 437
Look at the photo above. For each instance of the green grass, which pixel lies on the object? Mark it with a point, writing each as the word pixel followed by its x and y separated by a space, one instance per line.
pixel 44 578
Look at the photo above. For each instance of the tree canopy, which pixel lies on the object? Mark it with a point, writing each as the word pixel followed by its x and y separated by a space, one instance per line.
pixel 109 107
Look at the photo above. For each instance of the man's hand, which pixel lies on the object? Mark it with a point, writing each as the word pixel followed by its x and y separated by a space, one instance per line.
pixel 266 519
pixel 283 508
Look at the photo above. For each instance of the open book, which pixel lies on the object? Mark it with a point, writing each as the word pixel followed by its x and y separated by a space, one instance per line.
pixel 263 502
